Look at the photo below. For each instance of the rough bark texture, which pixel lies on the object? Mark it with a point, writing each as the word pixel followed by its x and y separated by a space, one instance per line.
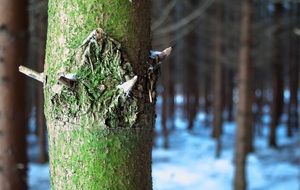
pixel 244 113
pixel 13 158
pixel 99 137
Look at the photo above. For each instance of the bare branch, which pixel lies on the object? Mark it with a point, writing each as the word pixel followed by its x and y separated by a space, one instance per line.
pixel 164 16
pixel 31 73
pixel 159 56
pixel 127 86
pixel 185 21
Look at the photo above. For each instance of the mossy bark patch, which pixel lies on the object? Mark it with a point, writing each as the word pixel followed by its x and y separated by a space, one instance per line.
pixel 101 159
pixel 99 66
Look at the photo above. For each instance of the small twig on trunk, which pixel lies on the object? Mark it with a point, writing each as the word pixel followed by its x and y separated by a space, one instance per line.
pixel 31 73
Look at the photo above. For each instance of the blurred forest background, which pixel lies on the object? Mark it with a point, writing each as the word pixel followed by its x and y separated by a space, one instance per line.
pixel 231 83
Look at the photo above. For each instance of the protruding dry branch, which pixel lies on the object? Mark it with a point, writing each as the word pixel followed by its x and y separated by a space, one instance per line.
pixel 159 56
pixel 127 86
pixel 164 54
pixel 31 73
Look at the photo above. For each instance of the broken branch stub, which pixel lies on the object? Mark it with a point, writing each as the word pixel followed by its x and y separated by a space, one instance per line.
pixel 32 74
pixel 127 86
pixel 158 56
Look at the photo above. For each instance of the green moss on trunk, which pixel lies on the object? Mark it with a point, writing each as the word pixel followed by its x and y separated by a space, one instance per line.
pixel 99 137
pixel 101 159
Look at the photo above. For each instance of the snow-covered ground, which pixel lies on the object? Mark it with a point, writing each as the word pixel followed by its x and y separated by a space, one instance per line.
pixel 189 163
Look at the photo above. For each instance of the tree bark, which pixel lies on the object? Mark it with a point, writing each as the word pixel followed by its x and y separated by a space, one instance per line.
pixel 13 50
pixel 218 73
pixel 294 70
pixel 165 105
pixel 218 77
pixel 99 137
pixel 191 83
pixel 229 94
pixel 172 93
pixel 277 77
pixel 207 98
pixel 244 117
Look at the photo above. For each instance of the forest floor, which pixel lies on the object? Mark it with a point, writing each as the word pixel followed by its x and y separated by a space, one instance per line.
pixel 190 164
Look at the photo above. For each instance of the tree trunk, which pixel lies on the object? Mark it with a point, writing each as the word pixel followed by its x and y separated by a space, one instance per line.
pixel 207 99
pixel 218 77
pixel 13 50
pixel 244 117
pixel 293 75
pixel 259 102
pixel 229 94
pixel 277 77
pixel 99 137
pixel 191 83
pixel 218 73
pixel 165 105
pixel 172 94
pixel 164 119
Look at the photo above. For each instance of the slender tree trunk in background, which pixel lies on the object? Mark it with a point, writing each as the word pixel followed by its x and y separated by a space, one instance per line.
pixel 259 102
pixel 277 76
pixel 207 101
pixel 164 117
pixel 13 50
pixel 229 94
pixel 171 65
pixel 193 101
pixel 192 86
pixel 41 28
pixel 218 78
pixel 298 58
pixel 165 104
pixel 244 112
pixel 293 77
pixel 218 73
pixel 166 82
pixel 208 66
pixel 99 137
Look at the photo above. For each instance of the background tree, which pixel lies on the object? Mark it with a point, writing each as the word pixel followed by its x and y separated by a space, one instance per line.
pixel 13 49
pixel 244 116
pixel 218 78
pixel 37 43
pixel 277 76
pixel 293 69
